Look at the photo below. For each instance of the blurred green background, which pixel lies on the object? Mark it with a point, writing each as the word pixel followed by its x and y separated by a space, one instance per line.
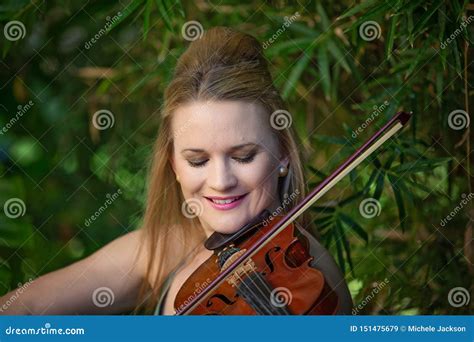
pixel 344 67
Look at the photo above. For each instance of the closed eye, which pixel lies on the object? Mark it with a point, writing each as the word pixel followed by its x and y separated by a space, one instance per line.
pixel 244 160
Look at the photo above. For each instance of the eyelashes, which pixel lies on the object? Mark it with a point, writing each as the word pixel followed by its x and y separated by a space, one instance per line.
pixel 244 160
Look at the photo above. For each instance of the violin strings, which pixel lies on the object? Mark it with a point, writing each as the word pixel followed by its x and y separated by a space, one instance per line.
pixel 267 305
pixel 251 292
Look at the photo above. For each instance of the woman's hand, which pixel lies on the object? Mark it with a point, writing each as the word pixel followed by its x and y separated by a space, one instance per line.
pixel 117 268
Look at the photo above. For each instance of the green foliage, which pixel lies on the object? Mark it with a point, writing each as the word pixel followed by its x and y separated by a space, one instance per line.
pixel 340 83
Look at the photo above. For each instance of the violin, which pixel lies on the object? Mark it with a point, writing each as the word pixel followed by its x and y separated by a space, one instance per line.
pixel 264 267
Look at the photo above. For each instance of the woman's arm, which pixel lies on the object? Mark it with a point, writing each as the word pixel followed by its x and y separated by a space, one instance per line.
pixel 76 289
pixel 326 264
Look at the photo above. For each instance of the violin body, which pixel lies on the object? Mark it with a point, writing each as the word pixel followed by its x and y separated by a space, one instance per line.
pixel 276 280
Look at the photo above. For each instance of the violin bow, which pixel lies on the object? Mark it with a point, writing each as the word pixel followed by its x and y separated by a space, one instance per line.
pixel 397 122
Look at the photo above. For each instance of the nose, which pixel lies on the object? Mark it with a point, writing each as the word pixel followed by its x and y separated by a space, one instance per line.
pixel 221 177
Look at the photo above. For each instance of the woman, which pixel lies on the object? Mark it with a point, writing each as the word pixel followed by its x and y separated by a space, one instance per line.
pixel 218 143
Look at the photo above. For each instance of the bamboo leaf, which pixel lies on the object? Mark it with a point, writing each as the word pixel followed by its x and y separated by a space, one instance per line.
pixel 420 26
pixel 345 243
pixel 357 9
pixel 132 7
pixel 296 72
pixel 324 18
pixel 323 64
pixel 323 209
pixel 339 249
pixel 146 18
pixel 177 4
pixel 419 166
pixel 355 227
pixel 164 14
pixel 320 174
pixel 390 37
pixel 399 199
pixel 379 187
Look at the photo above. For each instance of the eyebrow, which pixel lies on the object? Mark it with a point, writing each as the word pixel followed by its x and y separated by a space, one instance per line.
pixel 232 149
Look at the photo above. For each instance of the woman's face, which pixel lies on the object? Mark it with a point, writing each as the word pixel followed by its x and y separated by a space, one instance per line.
pixel 226 149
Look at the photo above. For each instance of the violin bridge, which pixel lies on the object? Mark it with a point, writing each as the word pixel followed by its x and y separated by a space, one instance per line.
pixel 247 267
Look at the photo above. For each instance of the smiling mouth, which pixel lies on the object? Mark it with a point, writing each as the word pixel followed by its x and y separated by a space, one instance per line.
pixel 226 201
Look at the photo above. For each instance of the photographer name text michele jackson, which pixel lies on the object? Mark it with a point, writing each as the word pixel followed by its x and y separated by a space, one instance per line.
pixel 440 328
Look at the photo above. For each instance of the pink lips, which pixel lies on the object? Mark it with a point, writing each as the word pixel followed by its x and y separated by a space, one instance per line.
pixel 227 206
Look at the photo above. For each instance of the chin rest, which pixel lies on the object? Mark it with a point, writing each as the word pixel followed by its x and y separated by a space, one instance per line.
pixel 219 240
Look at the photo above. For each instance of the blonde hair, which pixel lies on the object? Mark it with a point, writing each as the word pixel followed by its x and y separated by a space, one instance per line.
pixel 223 64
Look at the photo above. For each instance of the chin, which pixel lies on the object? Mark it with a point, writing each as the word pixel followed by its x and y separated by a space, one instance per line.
pixel 225 226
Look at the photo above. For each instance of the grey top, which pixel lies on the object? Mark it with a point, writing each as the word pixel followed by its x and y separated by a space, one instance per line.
pixel 163 291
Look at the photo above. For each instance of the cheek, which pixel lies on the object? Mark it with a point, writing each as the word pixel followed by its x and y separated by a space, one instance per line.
pixel 262 175
pixel 190 178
